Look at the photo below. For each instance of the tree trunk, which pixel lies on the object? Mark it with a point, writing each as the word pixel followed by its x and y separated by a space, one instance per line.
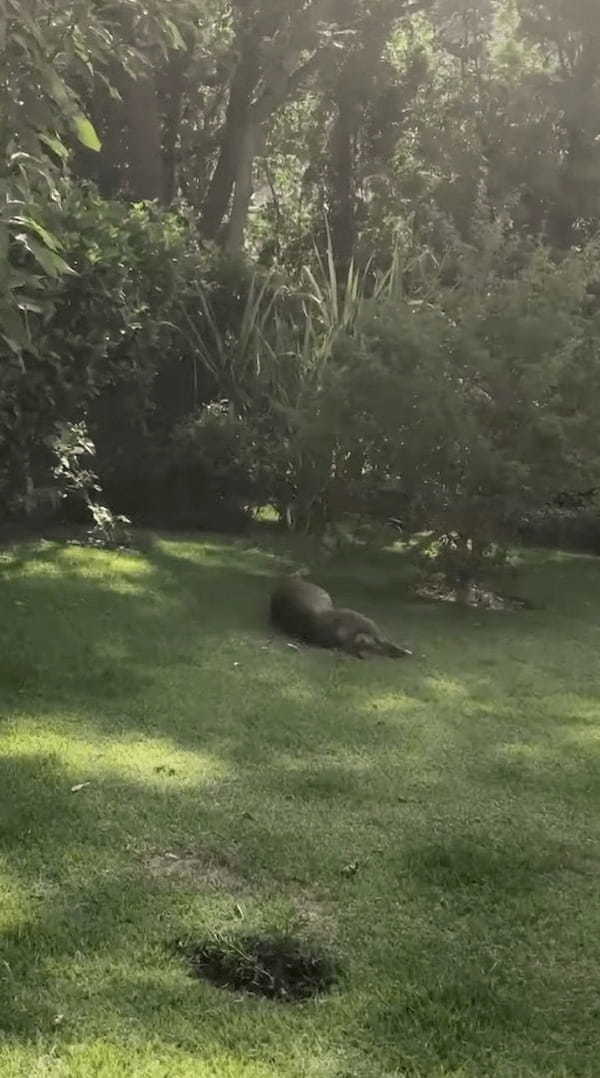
pixel 341 181
pixel 353 90
pixel 244 135
pixel 146 175
pixel 218 196
pixel 170 94
pixel 106 167
pixel 251 145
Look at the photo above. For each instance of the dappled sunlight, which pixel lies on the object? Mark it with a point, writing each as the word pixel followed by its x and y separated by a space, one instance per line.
pixel 95 564
pixel 234 554
pixel 153 1057
pixel 446 689
pixel 530 754
pixel 35 568
pixel 567 749
pixel 576 708
pixel 390 702
pixel 122 586
pixel 567 557
pixel 149 761
pixel 192 549
pixel 54 559
pixel 584 735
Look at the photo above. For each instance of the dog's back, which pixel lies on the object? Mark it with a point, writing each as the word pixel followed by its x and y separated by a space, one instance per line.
pixel 296 606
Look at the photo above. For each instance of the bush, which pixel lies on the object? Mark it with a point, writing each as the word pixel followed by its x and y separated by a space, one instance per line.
pixel 108 326
pixel 456 407
pixel 213 465
pixel 453 407
pixel 114 350
pixel 563 527
pixel 73 451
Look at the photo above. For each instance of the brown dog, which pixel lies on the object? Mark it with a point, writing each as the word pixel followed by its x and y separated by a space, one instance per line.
pixel 305 610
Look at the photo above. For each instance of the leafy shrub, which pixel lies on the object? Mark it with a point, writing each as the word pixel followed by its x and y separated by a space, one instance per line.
pixel 109 332
pixel 453 406
pixel 563 527
pixel 213 461
pixel 73 450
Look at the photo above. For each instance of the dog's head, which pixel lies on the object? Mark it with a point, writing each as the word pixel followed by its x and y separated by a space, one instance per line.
pixel 365 644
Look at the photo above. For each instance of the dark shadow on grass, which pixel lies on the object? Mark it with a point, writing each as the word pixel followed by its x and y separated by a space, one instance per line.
pixel 91 891
pixel 95 942
pixel 71 638
pixel 510 866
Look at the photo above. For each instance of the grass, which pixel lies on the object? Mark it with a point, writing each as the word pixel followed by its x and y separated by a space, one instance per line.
pixel 464 782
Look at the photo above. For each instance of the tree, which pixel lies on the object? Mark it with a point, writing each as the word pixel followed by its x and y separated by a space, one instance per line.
pixel 277 50
pixel 567 35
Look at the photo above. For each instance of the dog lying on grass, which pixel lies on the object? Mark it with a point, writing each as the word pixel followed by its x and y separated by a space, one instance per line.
pixel 307 611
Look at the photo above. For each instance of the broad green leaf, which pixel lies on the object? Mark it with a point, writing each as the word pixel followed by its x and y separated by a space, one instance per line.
pixel 85 132
pixel 55 144
pixel 28 303
pixel 112 89
pixel 47 237
pixel 58 90
pixel 27 164
pixel 20 157
pixel 176 38
pixel 66 100
pixel 51 262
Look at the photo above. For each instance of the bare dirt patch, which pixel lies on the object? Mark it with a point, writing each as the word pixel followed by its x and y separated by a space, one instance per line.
pixel 201 869
pixel 316 915
pixel 476 596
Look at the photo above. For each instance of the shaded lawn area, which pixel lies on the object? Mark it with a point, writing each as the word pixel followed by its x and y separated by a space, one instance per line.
pixel 464 782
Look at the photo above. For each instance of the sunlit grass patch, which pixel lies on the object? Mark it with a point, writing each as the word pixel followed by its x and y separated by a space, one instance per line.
pixel 145 760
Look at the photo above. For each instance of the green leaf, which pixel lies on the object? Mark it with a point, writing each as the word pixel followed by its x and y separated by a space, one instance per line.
pixel 29 303
pixel 47 237
pixel 176 38
pixel 52 263
pixel 112 90
pixel 55 144
pixel 58 90
pixel 66 100
pixel 86 132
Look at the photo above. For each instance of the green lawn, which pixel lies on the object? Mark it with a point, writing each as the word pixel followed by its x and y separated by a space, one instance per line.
pixel 465 782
